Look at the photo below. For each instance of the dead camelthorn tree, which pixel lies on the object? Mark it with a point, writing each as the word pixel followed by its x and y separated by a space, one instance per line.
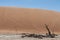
pixel 49 34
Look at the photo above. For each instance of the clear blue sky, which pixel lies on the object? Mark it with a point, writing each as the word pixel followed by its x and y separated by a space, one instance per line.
pixel 43 4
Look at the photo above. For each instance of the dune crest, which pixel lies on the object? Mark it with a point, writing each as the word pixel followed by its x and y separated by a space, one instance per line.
pixel 17 20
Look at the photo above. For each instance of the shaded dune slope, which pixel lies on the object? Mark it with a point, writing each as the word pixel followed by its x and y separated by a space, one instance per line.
pixel 17 20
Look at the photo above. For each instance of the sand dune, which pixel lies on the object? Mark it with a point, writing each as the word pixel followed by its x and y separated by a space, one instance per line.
pixel 17 20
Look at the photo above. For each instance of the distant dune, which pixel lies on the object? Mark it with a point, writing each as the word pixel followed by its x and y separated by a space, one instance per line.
pixel 18 20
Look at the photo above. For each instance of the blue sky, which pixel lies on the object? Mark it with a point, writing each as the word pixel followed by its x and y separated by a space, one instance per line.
pixel 42 4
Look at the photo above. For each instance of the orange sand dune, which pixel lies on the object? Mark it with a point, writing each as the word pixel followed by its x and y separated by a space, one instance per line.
pixel 17 20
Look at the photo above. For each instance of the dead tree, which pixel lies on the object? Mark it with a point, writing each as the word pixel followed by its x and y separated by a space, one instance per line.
pixel 49 34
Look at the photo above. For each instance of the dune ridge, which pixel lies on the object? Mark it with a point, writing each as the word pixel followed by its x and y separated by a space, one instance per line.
pixel 18 20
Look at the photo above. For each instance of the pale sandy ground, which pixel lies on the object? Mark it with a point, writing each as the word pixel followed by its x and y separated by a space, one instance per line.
pixel 18 37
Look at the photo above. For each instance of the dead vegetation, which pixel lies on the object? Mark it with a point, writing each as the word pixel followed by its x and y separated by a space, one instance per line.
pixel 48 35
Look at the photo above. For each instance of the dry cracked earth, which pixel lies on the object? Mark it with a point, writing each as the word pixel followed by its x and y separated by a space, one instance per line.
pixel 18 37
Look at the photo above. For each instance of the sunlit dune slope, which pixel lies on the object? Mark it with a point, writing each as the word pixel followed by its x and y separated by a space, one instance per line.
pixel 17 20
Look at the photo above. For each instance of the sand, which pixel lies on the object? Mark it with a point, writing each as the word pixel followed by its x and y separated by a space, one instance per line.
pixel 20 20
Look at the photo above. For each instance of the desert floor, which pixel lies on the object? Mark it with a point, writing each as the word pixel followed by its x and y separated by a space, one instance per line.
pixel 18 37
